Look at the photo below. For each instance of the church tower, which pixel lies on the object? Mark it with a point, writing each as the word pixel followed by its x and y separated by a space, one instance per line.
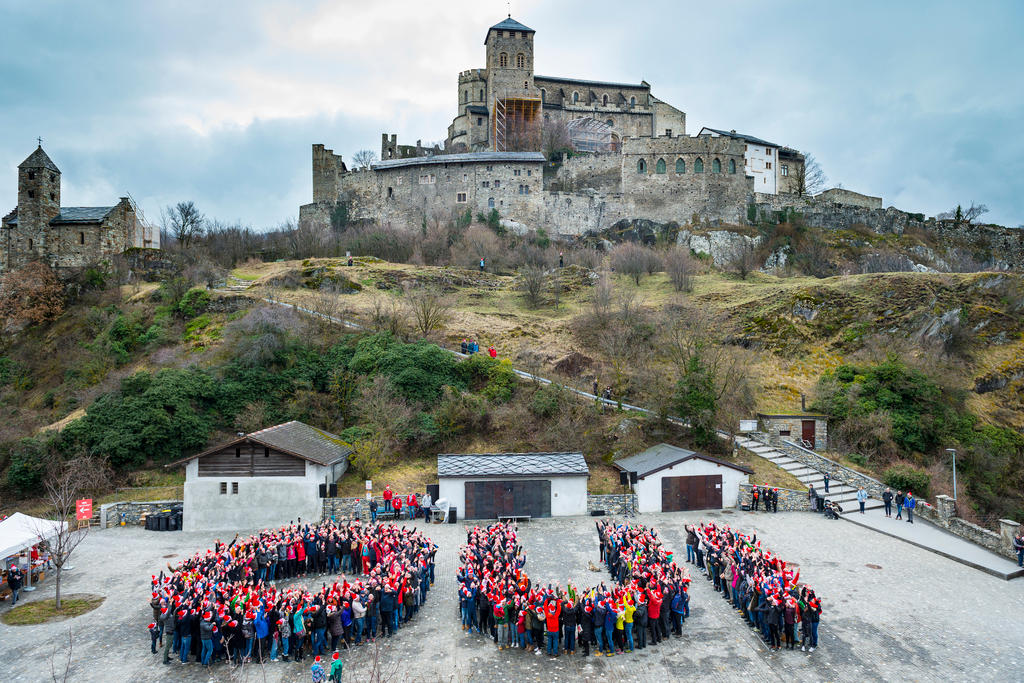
pixel 513 100
pixel 38 203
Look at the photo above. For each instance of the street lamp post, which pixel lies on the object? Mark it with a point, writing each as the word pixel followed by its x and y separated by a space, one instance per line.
pixel 952 451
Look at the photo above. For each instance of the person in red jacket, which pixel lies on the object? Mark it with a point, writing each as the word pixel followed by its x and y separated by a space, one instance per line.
pixel 300 556
pixel 387 498
pixel 411 505
pixel 493 353
pixel 396 503
pixel 552 610
pixel 654 600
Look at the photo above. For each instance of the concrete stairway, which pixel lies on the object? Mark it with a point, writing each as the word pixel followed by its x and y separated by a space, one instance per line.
pixel 838 492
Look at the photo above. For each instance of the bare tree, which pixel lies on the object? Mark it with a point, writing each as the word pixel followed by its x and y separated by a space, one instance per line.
pixel 65 482
pixel 810 179
pixel 555 139
pixel 960 216
pixel 326 306
pixel 388 315
pixel 184 222
pixel 61 675
pixel 634 260
pixel 680 266
pixel 601 301
pixel 429 309
pixel 533 281
pixel 363 158
pixel 741 257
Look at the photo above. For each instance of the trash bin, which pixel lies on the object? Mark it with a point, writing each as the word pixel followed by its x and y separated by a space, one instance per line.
pixel 163 521
pixel 453 515
pixel 172 522
pixel 149 522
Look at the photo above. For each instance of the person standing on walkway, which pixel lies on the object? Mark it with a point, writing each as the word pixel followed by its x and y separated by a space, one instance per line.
pixel 483 263
pixel 887 501
pixel 862 498
pixel 1018 546
pixel 812 496
pixel 826 481
pixel 14 583
pixel 899 504
pixel 909 503
pixel 388 495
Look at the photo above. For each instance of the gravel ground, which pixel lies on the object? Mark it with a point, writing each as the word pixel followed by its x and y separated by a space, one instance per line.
pixel 920 617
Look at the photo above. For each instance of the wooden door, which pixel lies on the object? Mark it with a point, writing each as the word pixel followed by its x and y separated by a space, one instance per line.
pixel 807 431
pixel 699 492
pixel 492 499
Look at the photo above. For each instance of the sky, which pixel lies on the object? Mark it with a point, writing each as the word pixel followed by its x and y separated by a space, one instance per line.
pixel 219 102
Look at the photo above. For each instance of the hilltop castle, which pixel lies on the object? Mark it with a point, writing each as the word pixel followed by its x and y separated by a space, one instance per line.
pixel 631 157
pixel 65 237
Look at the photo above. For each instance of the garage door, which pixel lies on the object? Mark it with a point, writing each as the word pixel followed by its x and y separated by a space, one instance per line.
pixel 491 499
pixel 691 493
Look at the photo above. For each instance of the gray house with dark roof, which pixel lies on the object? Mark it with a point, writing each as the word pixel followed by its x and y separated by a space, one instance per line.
pixel 65 237
pixel 263 478
pixel 493 485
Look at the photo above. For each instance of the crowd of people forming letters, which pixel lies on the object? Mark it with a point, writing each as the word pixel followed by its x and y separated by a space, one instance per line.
pixel 224 604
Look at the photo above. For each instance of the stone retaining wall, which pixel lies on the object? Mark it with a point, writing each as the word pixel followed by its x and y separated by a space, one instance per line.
pixel 612 503
pixel 943 514
pixel 838 473
pixel 789 500
pixel 110 513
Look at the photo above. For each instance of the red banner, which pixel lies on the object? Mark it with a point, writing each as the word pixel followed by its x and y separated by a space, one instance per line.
pixel 83 509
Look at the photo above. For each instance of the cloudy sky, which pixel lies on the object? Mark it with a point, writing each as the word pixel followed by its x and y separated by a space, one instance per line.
pixel 219 102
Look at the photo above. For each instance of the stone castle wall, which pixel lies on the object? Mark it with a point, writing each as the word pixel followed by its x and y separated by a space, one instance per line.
pixel 838 195
pixel 599 171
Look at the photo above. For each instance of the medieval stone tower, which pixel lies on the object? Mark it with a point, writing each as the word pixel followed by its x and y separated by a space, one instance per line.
pixel 514 101
pixel 38 201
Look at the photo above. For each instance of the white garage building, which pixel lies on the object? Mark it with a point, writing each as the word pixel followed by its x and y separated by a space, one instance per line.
pixel 261 479
pixel 671 479
pixel 492 485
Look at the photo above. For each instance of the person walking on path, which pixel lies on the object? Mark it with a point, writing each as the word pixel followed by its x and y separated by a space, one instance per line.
pixel 1018 546
pixel 482 264
pixel 826 481
pixel 862 498
pixel 812 496
pixel 887 500
pixel 14 583
pixel 909 503
pixel 899 504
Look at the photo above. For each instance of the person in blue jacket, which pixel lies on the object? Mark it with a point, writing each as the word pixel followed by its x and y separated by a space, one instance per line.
pixel 909 504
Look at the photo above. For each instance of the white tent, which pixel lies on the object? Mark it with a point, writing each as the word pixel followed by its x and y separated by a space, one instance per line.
pixel 19 531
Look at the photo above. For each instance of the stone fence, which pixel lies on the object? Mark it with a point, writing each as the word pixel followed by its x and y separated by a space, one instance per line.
pixel 612 503
pixel 338 508
pixel 836 472
pixel 789 500
pixel 943 514
pixel 132 511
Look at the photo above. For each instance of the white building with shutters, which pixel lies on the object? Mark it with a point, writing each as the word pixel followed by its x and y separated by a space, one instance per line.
pixel 262 479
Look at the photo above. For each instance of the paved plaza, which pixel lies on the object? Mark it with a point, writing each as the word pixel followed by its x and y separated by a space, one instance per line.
pixel 918 617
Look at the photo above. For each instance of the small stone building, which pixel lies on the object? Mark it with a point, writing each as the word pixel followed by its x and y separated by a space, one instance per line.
pixel 39 228
pixel 261 479
pixel 673 479
pixel 796 428
pixel 492 485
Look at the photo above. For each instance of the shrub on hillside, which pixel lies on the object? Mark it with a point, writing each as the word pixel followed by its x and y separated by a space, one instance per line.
pixel 906 478
pixel 195 302
pixel 27 464
pixel 547 401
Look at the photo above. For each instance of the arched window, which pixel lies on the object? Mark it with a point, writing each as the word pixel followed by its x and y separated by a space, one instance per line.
pixel 81 238
pixel 604 101
pixel 680 166
pixel 632 101
pixel 520 61
pixel 490 202
pixel 698 165
pixel 660 166
pixel 641 166
pixel 503 60
pixel 716 166
pixel 732 166
pixel 481 94
pixel 575 97
pixel 543 94
pixel 610 123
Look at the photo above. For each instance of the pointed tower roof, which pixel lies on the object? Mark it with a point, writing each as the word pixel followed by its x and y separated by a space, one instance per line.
pixel 509 24
pixel 39 159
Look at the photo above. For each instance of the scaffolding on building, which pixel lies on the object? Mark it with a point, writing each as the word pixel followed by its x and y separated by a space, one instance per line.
pixel 517 123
